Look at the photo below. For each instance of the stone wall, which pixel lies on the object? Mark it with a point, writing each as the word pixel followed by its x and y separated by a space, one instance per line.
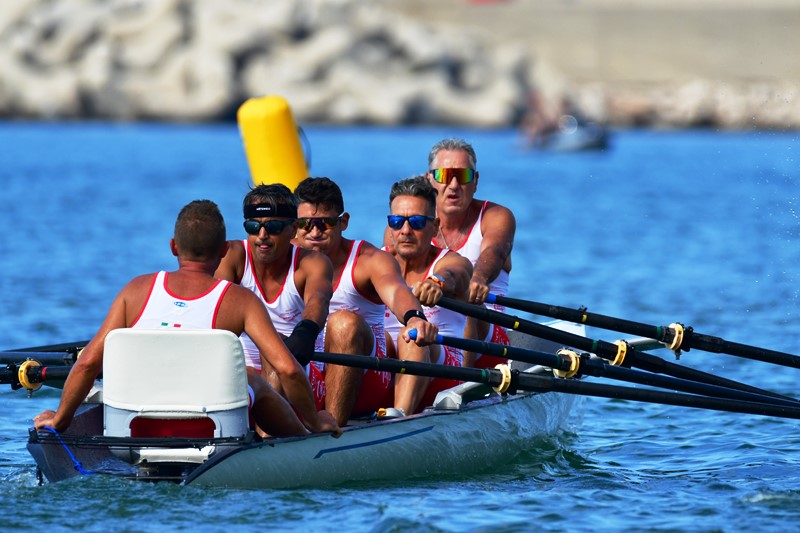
pixel 336 61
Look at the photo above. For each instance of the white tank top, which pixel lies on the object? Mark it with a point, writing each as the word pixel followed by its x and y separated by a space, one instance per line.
pixel 286 310
pixel 471 249
pixel 162 309
pixel 346 297
pixel 450 323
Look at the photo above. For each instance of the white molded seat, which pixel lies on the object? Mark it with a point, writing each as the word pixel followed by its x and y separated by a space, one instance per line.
pixel 174 374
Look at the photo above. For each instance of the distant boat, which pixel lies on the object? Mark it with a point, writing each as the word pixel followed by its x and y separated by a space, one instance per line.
pixel 571 135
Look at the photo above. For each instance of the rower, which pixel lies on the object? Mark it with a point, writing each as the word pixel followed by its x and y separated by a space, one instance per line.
pixel 480 230
pixel 366 281
pixel 294 284
pixel 431 272
pixel 191 298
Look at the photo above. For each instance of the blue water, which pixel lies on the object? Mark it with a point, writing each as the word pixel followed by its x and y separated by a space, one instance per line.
pixel 696 227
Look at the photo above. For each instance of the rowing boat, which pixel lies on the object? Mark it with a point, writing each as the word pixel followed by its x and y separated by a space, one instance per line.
pixel 470 427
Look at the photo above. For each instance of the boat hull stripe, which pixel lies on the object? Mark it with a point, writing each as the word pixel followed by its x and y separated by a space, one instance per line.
pixel 372 443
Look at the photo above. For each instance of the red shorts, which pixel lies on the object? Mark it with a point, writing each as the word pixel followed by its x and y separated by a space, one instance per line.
pixel 317 380
pixel 497 335
pixel 377 388
pixel 452 357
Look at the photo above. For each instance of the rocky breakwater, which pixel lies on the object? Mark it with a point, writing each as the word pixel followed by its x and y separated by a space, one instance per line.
pixel 343 61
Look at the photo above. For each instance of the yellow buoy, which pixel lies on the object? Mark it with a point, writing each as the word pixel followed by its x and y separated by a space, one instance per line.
pixel 271 141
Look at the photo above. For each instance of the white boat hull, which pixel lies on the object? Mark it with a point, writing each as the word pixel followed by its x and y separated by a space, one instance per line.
pixel 471 429
pixel 477 437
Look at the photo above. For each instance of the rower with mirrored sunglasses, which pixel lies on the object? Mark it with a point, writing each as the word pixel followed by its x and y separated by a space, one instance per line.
pixel 366 281
pixel 480 230
pixel 322 223
pixel 293 284
pixel 431 273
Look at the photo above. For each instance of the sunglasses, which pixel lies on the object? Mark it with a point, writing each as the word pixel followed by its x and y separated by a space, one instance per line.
pixel 445 175
pixel 272 227
pixel 323 223
pixel 416 222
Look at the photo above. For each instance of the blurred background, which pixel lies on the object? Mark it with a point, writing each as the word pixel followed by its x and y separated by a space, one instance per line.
pixel 727 64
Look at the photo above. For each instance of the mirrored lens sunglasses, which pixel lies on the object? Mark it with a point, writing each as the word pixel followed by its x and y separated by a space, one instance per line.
pixel 445 175
pixel 323 223
pixel 272 227
pixel 416 222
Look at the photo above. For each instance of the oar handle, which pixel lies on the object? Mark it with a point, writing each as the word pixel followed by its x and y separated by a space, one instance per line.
pixel 413 334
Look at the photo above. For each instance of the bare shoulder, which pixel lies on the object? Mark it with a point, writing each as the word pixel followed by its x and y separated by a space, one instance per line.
pixel 240 295
pixel 375 255
pixel 139 284
pixel 232 265
pixel 235 250
pixel 376 267
pixel 130 301
pixel 497 212
pixel 312 260
pixel 452 258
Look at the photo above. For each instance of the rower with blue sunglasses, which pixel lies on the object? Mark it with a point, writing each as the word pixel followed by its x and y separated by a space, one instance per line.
pixel 295 285
pixel 431 272
pixel 480 230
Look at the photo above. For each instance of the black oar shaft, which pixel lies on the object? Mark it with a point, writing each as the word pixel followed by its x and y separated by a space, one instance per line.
pixel 664 334
pixel 416 368
pixel 539 383
pixel 583 317
pixel 598 368
pixel 72 347
pixel 46 358
pixel 9 375
pixel 604 349
pixel 569 386
pixel 709 343
pixel 512 352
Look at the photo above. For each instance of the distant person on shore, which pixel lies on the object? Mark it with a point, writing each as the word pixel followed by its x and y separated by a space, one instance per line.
pixel 480 230
pixel 295 285
pixel 199 244
pixel 539 123
pixel 366 281
pixel 431 272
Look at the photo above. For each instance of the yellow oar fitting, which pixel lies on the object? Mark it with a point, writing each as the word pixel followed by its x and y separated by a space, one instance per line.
pixel 574 364
pixel 622 351
pixel 22 375
pixel 505 370
pixel 677 340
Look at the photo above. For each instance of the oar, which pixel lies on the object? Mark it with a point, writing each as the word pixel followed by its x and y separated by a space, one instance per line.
pixel 491 377
pixel 538 383
pixel 570 386
pixel 46 358
pixel 31 376
pixel 676 337
pixel 72 347
pixel 620 354
pixel 599 368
